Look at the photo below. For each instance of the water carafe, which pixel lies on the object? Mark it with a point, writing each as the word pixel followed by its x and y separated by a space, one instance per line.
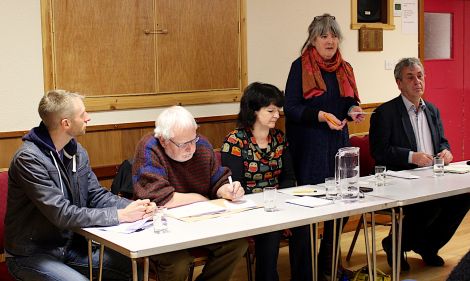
pixel 347 172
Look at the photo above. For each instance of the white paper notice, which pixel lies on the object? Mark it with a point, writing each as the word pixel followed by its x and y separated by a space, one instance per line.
pixel 409 19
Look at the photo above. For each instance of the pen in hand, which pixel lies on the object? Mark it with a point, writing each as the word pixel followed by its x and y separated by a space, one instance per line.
pixel 231 184
pixel 234 195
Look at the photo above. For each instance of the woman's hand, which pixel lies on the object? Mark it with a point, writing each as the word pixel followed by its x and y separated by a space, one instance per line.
pixel 356 113
pixel 331 120
pixel 231 191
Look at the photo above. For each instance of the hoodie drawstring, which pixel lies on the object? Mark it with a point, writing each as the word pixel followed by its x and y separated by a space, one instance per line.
pixel 58 170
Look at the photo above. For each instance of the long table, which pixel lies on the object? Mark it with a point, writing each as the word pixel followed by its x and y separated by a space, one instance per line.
pixel 411 191
pixel 184 235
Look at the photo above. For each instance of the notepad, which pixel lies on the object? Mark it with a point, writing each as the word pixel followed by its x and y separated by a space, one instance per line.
pixel 457 169
pixel 308 201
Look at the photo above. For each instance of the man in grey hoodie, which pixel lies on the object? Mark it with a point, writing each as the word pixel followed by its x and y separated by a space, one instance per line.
pixel 51 191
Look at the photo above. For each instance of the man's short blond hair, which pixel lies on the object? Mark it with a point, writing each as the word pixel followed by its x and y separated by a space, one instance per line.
pixel 56 105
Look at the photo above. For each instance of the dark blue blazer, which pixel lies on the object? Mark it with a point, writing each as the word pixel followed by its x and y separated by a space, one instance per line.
pixel 392 138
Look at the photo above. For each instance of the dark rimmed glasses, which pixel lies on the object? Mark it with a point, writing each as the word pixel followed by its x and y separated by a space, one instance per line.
pixel 186 144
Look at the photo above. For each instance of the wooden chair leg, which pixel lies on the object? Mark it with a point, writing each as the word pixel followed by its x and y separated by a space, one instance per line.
pixel 249 263
pixel 191 272
pixel 353 242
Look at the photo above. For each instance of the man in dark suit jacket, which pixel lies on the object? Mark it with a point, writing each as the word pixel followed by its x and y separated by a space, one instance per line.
pixel 405 133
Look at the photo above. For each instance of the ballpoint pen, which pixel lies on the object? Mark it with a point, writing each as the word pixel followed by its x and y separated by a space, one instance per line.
pixel 233 188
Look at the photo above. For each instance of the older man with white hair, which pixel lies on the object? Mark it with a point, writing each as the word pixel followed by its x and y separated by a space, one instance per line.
pixel 176 166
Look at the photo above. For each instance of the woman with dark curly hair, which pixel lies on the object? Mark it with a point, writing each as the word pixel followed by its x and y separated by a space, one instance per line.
pixel 258 155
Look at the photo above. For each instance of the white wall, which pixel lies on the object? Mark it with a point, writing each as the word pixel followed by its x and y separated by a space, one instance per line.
pixel 276 31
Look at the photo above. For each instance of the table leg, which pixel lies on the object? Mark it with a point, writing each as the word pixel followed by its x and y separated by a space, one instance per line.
pixel 146 268
pixel 374 255
pixel 366 238
pixel 333 251
pixel 336 248
pixel 134 270
pixel 100 272
pixel 90 258
pixel 314 247
pixel 400 229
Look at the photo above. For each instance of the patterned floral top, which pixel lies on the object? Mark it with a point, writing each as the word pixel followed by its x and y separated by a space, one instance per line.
pixel 260 167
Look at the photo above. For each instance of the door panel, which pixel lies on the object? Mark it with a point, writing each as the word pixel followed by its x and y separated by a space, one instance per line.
pixel 97 41
pixel 213 60
pixel 444 77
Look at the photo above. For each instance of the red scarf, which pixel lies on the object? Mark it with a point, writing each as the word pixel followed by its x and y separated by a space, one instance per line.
pixel 312 81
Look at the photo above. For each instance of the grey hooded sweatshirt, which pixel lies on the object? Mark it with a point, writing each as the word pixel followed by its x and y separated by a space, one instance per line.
pixel 50 194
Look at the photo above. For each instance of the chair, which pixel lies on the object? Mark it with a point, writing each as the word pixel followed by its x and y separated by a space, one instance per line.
pixel 366 161
pixel 3 207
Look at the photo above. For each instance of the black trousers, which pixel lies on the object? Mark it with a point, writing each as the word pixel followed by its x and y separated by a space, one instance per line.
pixel 428 226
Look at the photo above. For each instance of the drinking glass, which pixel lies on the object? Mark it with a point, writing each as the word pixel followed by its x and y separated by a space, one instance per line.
pixel 269 196
pixel 160 222
pixel 438 167
pixel 331 190
pixel 380 175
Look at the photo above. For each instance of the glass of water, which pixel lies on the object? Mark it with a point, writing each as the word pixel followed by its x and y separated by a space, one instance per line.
pixel 438 167
pixel 160 222
pixel 331 190
pixel 380 175
pixel 269 197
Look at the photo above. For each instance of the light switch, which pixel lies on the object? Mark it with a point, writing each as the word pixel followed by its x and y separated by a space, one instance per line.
pixel 390 64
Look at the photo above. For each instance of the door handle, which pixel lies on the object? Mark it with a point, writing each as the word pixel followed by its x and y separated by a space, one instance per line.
pixel 157 31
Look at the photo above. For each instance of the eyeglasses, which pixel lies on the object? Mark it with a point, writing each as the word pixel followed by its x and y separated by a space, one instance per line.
pixel 186 144
pixel 324 16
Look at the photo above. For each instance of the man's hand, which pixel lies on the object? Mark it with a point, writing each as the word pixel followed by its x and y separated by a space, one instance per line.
pixel 446 155
pixel 136 210
pixel 421 159
pixel 231 192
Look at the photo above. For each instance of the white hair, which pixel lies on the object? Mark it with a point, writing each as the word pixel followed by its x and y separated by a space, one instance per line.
pixel 171 119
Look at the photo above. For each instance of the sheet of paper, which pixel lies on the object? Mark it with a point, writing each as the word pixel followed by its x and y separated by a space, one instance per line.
pixel 195 209
pixel 129 227
pixel 308 201
pixel 457 169
pixel 401 174
pixel 241 204
pixel 409 19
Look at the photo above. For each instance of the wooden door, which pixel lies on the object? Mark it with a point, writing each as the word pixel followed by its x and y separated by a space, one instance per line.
pixel 100 47
pixel 199 47
pixel 445 75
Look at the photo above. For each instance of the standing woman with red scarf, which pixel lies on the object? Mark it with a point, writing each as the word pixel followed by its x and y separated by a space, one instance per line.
pixel 320 96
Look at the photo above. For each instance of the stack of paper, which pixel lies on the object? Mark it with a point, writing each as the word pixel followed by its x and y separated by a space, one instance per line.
pixel 456 168
pixel 309 201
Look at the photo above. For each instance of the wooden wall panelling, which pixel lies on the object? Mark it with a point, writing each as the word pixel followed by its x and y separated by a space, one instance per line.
pixel 8 147
pixel 111 144
pixel 100 47
pixel 203 55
